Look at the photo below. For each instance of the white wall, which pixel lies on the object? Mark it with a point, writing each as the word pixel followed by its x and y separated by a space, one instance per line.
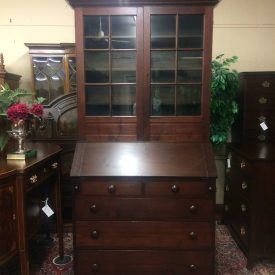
pixel 245 28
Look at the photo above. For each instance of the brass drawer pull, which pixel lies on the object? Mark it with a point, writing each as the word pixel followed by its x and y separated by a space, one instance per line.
pixel 193 268
pixel 76 187
pixel 112 188
pixel 93 208
pixel 242 231
pixel 243 164
pixel 175 188
pixel 33 179
pixel 193 235
pixel 244 185
pixel 54 165
pixel 262 118
pixel 226 208
pixel 243 207
pixel 262 100
pixel 266 84
pixel 226 188
pixel 261 137
pixel 211 188
pixel 95 234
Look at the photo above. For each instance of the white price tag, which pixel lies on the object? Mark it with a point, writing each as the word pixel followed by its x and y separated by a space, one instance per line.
pixel 264 126
pixel 47 209
pixel 228 163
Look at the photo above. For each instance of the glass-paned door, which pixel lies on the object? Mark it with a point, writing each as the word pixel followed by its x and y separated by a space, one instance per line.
pixel 176 59
pixel 49 76
pixel 110 55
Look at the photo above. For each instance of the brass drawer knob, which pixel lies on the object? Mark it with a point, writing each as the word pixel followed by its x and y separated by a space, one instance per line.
pixel 175 188
pixel 242 231
pixel 262 100
pixel 243 207
pixel 266 84
pixel 211 188
pixel 243 164
pixel 95 267
pixel 193 235
pixel 33 179
pixel 55 165
pixel 76 187
pixel 227 188
pixel 95 234
pixel 93 208
pixel 193 209
pixel 244 185
pixel 226 208
pixel 112 188
pixel 193 268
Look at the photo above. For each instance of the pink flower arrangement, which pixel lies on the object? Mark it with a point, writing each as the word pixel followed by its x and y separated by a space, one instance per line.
pixel 21 111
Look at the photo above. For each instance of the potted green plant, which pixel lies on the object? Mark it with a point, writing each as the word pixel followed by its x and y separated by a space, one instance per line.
pixel 224 108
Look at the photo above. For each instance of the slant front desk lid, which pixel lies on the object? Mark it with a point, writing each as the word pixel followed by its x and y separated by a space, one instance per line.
pixel 143 159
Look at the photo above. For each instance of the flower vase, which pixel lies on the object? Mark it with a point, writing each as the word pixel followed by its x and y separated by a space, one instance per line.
pixel 19 132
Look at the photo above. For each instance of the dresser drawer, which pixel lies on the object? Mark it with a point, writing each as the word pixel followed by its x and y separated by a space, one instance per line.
pixel 180 188
pixel 261 84
pixel 158 208
pixel 143 235
pixel 237 218
pixel 260 100
pixel 134 262
pixel 40 173
pixel 109 188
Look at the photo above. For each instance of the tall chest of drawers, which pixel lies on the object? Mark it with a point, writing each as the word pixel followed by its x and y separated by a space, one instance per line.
pixel 250 199
pixel 144 208
pixel 257 107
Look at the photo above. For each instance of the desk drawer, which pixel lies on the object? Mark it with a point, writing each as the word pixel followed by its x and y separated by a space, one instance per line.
pixel 143 235
pixel 180 188
pixel 38 174
pixel 109 188
pixel 157 208
pixel 131 262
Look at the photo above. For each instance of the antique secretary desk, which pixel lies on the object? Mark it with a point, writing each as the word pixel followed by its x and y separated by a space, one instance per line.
pixel 143 167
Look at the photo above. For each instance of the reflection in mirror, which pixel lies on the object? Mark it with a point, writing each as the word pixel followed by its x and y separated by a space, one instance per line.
pixel 162 100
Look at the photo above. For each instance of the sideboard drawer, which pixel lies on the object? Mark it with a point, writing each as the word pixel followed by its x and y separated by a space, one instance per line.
pixel 134 262
pixel 181 188
pixel 158 208
pixel 109 188
pixel 143 235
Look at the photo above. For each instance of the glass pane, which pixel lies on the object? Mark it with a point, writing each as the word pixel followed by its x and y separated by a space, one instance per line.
pixel 123 32
pixel 97 67
pixel 72 74
pixel 189 66
pixel 190 31
pixel 96 32
pixel 49 77
pixel 123 67
pixel 162 66
pixel 97 101
pixel 189 100
pixel 162 100
pixel 163 31
pixel 123 100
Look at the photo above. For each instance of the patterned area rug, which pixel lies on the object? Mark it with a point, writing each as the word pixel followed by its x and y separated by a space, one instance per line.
pixel 229 259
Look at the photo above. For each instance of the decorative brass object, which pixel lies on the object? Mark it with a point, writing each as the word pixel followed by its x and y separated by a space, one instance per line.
pixel 243 207
pixel 54 165
pixel 262 100
pixel 266 84
pixel 244 185
pixel 242 230
pixel 33 179
pixel 243 164
pixel 262 118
